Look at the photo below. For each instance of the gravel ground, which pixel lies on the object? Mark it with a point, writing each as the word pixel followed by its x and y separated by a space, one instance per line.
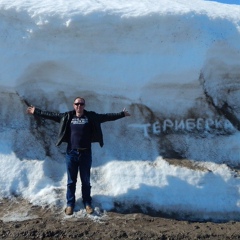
pixel 21 220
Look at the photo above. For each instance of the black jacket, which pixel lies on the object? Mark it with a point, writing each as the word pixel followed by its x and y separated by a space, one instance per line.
pixel 64 119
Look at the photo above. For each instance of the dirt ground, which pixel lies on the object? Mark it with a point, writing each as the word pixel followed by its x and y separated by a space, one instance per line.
pixel 21 220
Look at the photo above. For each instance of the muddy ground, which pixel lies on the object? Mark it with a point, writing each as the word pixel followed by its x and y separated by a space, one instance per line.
pixel 21 220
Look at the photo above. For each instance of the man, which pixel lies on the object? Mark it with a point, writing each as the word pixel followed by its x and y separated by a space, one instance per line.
pixel 78 128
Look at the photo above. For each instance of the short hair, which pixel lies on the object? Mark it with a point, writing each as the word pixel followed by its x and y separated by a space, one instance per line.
pixel 79 98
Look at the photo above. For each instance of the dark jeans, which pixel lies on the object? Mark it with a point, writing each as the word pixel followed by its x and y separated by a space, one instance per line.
pixel 82 162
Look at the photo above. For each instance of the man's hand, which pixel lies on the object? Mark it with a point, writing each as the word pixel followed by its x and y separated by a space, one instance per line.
pixel 126 112
pixel 30 110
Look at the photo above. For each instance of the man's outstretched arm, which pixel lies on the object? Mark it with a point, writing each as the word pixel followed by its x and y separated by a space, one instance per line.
pixel 44 114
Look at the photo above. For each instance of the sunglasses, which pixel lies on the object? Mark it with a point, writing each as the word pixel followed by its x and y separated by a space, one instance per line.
pixel 77 104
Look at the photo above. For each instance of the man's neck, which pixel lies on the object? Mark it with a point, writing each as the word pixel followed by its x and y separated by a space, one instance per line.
pixel 79 114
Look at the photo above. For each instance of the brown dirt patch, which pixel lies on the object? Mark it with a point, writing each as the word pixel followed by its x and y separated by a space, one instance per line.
pixel 48 223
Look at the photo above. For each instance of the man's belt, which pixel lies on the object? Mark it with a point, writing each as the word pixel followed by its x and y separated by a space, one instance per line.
pixel 81 149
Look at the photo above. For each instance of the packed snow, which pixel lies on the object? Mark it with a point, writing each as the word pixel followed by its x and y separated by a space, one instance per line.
pixel 175 66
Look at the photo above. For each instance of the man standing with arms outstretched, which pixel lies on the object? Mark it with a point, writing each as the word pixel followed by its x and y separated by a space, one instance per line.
pixel 78 128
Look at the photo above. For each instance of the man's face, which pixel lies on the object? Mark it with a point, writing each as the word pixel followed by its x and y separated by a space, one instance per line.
pixel 79 105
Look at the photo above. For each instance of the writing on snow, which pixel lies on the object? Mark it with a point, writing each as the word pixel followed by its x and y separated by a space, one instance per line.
pixel 189 125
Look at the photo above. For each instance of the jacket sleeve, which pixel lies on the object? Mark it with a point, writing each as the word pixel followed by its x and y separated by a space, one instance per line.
pixel 110 116
pixel 48 115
